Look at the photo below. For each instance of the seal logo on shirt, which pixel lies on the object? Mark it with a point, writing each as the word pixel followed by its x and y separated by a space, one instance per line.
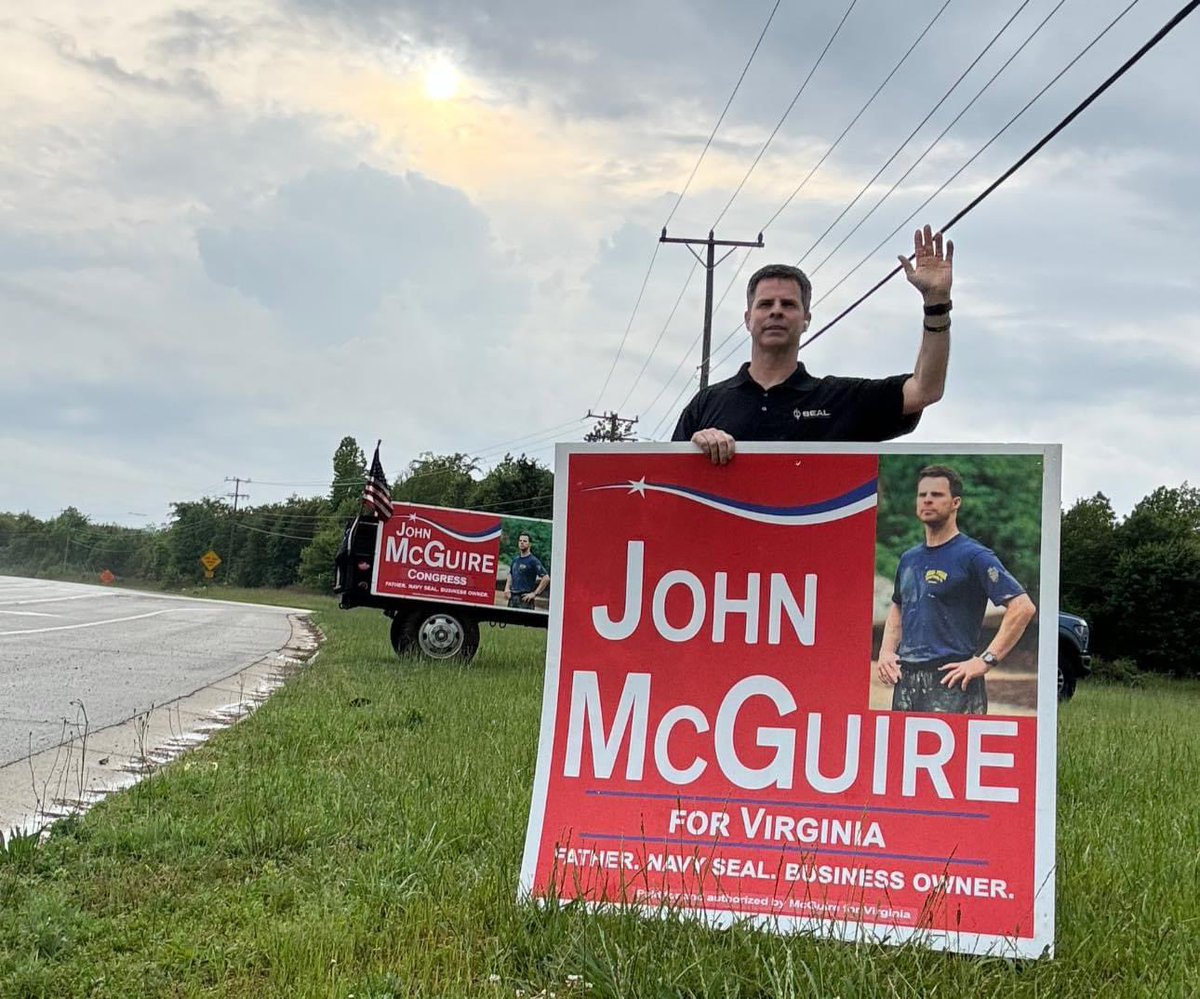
pixel 935 576
pixel 993 574
pixel 808 414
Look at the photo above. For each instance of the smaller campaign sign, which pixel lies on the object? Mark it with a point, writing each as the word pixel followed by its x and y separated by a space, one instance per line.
pixel 434 553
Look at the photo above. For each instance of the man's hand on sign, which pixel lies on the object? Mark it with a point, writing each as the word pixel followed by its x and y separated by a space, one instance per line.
pixel 889 668
pixel 964 672
pixel 932 270
pixel 717 444
pixel 528 597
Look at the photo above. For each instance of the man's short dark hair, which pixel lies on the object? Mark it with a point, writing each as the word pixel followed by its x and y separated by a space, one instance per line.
pixel 943 472
pixel 525 534
pixel 784 272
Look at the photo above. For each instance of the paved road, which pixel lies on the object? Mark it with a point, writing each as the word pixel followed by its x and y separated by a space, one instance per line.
pixel 117 652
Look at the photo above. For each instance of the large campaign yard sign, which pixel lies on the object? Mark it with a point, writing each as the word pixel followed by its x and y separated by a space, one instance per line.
pixel 708 745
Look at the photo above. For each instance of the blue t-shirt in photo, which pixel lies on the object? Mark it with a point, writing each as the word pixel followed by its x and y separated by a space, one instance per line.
pixel 942 593
pixel 524 572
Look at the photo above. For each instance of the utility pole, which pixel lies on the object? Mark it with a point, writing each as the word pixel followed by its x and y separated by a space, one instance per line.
pixel 235 496
pixel 709 263
pixel 611 427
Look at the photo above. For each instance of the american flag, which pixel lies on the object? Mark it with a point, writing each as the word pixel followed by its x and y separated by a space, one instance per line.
pixel 376 493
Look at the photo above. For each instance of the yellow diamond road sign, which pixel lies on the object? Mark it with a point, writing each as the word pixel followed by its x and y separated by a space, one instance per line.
pixel 210 560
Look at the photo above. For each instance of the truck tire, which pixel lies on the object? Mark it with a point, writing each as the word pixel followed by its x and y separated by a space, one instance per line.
pixel 1068 673
pixel 400 634
pixel 443 633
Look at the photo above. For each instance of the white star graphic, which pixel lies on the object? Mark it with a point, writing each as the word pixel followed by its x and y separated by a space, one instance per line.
pixel 638 487
pixel 412 516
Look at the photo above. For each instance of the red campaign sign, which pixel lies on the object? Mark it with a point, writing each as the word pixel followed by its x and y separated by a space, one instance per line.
pixel 434 553
pixel 707 739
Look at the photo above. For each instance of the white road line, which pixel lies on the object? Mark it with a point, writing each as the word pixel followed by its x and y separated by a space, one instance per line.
pixel 88 624
pixel 54 600
pixel 29 614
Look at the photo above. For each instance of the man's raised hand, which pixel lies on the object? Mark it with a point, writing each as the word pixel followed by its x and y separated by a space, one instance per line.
pixel 931 271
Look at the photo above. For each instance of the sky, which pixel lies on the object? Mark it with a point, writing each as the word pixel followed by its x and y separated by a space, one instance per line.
pixel 232 233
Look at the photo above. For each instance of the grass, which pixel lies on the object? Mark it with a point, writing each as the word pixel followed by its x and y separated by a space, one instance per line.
pixel 361 836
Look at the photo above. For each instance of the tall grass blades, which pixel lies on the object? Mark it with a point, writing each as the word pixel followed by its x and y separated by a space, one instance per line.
pixel 361 835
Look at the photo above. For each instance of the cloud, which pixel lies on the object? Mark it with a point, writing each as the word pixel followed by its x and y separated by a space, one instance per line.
pixel 233 233
pixel 187 82
pixel 326 250
pixel 197 34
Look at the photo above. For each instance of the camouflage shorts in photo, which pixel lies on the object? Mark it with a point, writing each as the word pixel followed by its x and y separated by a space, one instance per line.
pixel 923 690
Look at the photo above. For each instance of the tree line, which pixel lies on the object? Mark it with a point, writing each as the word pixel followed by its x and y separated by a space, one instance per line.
pixel 287 543
pixel 1136 579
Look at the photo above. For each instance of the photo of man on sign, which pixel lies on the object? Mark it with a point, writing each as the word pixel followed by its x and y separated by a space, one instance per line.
pixel 940 636
pixel 527 577
pixel 523 579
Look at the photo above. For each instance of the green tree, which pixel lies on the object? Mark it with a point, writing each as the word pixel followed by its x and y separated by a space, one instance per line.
pixel 316 561
pixel 516 487
pixel 196 526
pixel 438 480
pixel 1155 606
pixel 1088 561
pixel 1152 606
pixel 349 474
pixel 1167 514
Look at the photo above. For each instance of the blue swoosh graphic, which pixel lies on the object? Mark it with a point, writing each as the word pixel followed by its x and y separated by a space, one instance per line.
pixel 488 534
pixel 849 504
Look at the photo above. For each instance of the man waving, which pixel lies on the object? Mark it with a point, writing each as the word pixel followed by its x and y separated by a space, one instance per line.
pixel 774 398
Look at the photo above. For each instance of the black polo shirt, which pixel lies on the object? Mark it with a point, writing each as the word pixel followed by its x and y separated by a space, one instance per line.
pixel 802 408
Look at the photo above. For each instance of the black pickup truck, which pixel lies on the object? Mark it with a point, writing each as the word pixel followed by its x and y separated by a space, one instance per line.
pixel 1074 660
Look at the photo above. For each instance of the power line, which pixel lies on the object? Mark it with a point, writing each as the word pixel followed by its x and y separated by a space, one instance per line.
pixel 732 350
pixel 808 176
pixel 779 124
pixel 695 343
pixel 611 427
pixel 237 495
pixel 671 409
pixel 318 520
pixel 272 534
pixel 628 326
pixel 720 119
pixel 861 111
pixel 1165 30
pixel 480 455
pixel 671 377
pixel 920 158
pixel 661 334
pixel 942 134
pixel 709 263
pixel 921 124
pixel 654 256
pixel 729 287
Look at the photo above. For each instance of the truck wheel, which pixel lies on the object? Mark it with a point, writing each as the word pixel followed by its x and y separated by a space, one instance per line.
pixel 401 636
pixel 441 633
pixel 1069 669
pixel 1066 684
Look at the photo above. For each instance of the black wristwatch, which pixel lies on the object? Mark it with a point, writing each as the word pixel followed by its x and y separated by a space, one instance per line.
pixel 989 658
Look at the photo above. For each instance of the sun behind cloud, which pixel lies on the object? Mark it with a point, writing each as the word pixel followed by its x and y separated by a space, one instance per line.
pixel 441 81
